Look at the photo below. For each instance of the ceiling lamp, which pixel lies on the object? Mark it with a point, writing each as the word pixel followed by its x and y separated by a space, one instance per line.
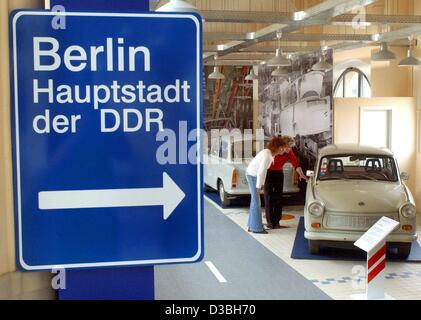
pixel 216 75
pixel 410 60
pixel 279 72
pixel 251 76
pixel 322 65
pixel 384 54
pixel 177 6
pixel 279 60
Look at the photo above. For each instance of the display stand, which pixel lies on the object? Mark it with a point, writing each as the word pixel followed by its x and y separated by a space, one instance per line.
pixel 374 243
pixel 117 283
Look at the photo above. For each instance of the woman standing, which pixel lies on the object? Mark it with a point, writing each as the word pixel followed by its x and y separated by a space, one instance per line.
pixel 274 184
pixel 256 176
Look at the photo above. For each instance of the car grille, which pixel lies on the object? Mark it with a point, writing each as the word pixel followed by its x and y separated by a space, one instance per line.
pixel 352 222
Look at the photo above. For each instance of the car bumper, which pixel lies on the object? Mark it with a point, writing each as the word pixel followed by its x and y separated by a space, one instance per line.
pixel 238 192
pixel 354 236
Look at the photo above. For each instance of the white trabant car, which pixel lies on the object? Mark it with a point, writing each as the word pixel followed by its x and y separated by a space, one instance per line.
pixel 226 164
pixel 351 188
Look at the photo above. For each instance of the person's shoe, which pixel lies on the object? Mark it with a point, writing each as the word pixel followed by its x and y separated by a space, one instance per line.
pixel 270 226
pixel 261 232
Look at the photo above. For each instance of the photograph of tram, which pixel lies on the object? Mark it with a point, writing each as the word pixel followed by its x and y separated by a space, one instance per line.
pixel 298 104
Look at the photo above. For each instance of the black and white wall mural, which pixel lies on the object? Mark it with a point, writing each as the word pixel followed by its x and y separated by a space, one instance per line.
pixel 298 104
pixel 228 103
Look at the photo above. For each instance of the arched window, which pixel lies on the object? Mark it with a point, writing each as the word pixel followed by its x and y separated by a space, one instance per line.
pixel 352 83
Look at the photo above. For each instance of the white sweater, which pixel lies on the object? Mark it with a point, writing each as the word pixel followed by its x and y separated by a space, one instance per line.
pixel 259 165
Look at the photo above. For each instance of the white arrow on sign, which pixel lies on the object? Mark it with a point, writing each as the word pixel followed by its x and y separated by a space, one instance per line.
pixel 169 196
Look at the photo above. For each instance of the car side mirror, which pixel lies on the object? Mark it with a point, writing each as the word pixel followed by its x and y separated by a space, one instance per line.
pixel 404 176
pixel 310 173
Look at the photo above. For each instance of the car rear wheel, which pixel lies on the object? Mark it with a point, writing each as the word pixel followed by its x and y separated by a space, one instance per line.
pixel 313 247
pixel 404 249
pixel 223 196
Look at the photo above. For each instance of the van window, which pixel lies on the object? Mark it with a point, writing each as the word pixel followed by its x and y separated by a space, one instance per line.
pixel 224 149
pixel 215 148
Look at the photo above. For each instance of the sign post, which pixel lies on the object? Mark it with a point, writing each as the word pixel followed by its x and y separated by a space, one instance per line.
pixel 374 243
pixel 107 156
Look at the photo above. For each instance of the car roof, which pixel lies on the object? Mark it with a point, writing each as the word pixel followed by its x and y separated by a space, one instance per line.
pixel 338 149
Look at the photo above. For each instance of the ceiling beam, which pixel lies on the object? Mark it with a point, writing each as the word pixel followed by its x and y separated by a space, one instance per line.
pixel 380 19
pixel 288 17
pixel 295 49
pixel 264 49
pixel 214 36
pixel 319 14
pixel 247 62
pixel 253 56
pixel 287 49
pixel 246 16
pixel 398 34
pixel 396 37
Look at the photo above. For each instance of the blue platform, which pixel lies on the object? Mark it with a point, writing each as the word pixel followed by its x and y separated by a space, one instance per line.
pixel 109 284
pixel 300 250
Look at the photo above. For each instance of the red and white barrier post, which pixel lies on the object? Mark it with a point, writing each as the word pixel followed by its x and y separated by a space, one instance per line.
pixel 376 265
pixel 374 243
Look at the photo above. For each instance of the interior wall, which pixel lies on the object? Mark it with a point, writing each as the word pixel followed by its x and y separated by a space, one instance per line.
pixel 7 247
pixel 347 126
pixel 387 78
pixel 417 96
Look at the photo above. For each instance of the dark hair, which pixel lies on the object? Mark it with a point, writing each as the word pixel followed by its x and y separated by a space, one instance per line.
pixel 276 143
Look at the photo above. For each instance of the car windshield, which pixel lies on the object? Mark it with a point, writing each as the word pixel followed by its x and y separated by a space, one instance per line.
pixel 358 167
pixel 246 149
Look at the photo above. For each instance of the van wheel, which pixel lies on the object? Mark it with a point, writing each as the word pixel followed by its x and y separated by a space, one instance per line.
pixel 404 249
pixel 313 247
pixel 223 195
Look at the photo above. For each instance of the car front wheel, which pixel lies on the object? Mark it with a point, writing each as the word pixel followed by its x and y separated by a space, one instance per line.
pixel 313 247
pixel 223 196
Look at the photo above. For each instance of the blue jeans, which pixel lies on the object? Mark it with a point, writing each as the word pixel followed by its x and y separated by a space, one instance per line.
pixel 255 214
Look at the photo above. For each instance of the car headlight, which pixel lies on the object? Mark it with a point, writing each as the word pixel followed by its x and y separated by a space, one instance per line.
pixel 316 209
pixel 408 210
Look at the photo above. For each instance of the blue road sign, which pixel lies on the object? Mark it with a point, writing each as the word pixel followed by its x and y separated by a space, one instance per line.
pixel 106 117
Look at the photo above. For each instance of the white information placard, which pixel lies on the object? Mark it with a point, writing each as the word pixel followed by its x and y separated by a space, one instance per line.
pixel 376 234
